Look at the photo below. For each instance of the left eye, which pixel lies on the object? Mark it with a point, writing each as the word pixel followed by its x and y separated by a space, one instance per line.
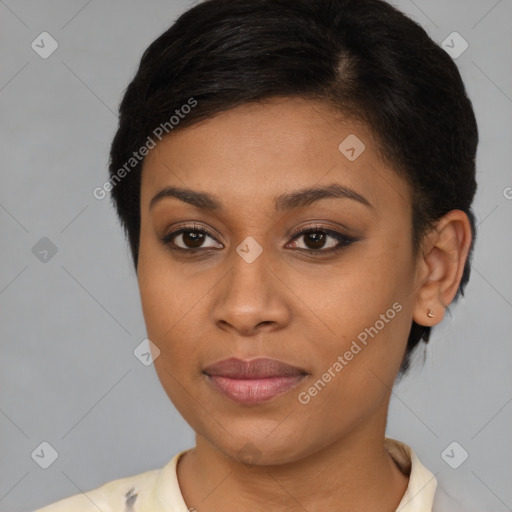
pixel 318 240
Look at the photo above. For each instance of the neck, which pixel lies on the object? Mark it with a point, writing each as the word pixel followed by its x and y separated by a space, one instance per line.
pixel 354 473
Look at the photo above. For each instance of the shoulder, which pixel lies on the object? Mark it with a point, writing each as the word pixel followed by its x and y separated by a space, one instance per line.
pixel 423 492
pixel 128 494
pixel 112 496
pixel 421 488
pixel 443 502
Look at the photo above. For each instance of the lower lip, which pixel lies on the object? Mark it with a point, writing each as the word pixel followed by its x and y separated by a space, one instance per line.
pixel 254 391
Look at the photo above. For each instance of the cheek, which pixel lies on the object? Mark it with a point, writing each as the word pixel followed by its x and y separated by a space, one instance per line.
pixel 163 297
pixel 170 313
pixel 367 307
pixel 355 373
pixel 361 293
pixel 174 305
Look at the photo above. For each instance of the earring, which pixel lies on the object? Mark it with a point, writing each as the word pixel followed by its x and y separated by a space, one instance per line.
pixel 430 313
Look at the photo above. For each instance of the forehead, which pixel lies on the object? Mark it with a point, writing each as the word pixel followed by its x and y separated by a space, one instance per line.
pixel 252 153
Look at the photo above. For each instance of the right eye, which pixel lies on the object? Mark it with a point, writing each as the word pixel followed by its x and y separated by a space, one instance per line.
pixel 189 239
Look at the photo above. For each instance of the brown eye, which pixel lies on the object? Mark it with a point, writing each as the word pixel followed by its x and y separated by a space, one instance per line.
pixel 187 239
pixel 315 240
pixel 192 239
pixel 318 241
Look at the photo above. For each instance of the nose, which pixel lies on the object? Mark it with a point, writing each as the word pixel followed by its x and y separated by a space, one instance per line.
pixel 251 298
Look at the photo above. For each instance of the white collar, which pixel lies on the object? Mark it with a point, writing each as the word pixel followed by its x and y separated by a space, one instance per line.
pixel 420 493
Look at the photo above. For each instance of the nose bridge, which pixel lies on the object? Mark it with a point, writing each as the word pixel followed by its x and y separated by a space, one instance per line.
pixel 249 295
pixel 249 280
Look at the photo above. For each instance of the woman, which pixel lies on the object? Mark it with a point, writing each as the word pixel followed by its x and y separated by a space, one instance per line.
pixel 295 178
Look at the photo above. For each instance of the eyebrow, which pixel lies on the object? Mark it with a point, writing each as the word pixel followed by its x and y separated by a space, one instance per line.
pixel 288 201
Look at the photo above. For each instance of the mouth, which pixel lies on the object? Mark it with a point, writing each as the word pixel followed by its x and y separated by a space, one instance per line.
pixel 255 381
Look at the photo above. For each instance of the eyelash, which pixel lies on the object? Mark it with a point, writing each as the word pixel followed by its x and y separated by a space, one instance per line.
pixel 344 240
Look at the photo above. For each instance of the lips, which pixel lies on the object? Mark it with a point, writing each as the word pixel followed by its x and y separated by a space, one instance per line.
pixel 255 381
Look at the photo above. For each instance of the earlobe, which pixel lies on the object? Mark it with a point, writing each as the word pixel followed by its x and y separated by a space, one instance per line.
pixel 446 248
pixel 427 316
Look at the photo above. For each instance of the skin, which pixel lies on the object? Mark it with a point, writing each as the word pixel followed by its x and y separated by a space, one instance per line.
pixel 287 304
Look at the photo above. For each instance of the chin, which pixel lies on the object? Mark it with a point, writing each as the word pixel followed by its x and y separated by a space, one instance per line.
pixel 256 447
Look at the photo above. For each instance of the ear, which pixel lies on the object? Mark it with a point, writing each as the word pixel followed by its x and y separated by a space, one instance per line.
pixel 440 266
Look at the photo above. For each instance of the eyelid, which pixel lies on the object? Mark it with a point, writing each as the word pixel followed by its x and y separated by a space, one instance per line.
pixel 312 225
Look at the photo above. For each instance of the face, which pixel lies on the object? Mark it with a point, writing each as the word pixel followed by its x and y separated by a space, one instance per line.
pixel 322 281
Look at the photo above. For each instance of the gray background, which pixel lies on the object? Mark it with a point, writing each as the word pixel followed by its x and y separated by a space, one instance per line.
pixel 68 375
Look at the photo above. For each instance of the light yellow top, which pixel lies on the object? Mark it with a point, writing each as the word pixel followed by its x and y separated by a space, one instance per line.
pixel 158 490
